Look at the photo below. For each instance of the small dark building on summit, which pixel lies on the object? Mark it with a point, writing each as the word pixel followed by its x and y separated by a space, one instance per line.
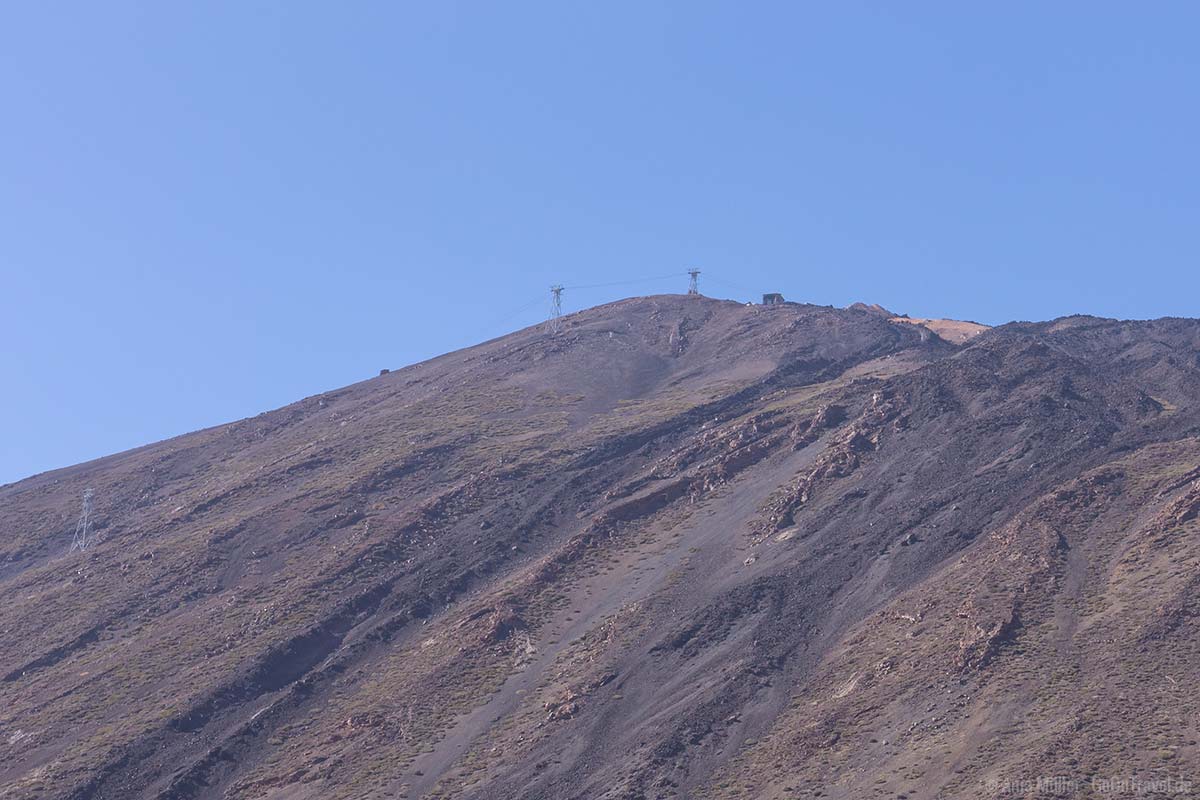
pixel 772 299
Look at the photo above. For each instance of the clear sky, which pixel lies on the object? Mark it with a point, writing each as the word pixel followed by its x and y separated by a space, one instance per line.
pixel 211 209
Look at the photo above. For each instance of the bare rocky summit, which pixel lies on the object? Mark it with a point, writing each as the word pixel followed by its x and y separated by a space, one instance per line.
pixel 685 548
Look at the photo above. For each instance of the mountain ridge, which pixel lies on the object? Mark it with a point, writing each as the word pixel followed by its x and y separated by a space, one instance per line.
pixel 668 552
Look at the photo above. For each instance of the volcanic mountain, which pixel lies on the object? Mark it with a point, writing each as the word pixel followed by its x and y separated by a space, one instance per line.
pixel 683 548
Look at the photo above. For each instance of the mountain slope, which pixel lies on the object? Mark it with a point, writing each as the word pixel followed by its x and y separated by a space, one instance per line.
pixel 686 548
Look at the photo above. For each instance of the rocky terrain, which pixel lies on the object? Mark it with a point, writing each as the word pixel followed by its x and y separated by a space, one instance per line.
pixel 685 548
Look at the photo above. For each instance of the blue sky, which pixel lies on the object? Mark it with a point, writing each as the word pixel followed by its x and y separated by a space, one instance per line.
pixel 212 209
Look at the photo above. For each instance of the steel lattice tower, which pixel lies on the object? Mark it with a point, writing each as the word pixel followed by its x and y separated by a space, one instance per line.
pixel 694 283
pixel 555 308
pixel 83 528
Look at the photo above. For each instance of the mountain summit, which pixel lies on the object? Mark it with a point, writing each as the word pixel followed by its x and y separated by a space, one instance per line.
pixel 683 548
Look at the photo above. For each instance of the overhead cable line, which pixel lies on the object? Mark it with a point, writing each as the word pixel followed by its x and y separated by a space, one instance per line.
pixel 625 283
pixel 557 290
pixel 510 315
